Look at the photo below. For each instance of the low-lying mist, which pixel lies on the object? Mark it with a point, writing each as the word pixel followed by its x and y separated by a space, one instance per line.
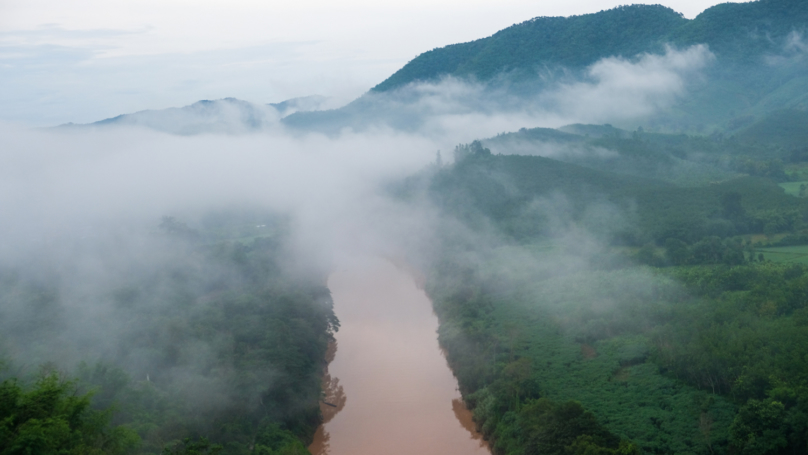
pixel 84 204
pixel 185 275
pixel 453 109
pixel 130 247
pixel 616 89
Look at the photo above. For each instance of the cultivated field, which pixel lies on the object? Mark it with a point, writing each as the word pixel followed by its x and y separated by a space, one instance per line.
pixel 786 253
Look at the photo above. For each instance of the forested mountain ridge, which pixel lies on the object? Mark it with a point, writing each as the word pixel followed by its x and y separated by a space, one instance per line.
pixel 735 63
pixel 574 41
pixel 737 32
pixel 750 62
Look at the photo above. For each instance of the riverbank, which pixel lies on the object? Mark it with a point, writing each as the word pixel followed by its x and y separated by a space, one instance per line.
pixel 399 395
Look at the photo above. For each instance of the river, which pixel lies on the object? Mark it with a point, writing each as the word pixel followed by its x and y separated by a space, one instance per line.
pixel 389 388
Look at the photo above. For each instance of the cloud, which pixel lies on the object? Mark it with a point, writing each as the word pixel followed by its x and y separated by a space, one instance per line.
pixel 612 90
pixel 108 187
pixel 81 81
pixel 793 50
pixel 623 89
pixel 70 181
pixel 795 43
pixel 80 215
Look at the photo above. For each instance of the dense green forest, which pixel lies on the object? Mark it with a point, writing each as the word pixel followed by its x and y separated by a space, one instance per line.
pixel 600 289
pixel 623 298
pixel 189 342
pixel 737 32
pixel 702 359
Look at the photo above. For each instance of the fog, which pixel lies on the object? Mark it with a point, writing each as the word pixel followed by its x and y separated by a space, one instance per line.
pixel 617 90
pixel 83 207
pixel 61 186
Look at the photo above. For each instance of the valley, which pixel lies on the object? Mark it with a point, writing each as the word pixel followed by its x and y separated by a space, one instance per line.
pixel 599 226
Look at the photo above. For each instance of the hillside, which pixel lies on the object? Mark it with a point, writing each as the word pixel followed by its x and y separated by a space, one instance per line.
pixel 756 65
pixel 735 32
pixel 575 41
pixel 228 116
pixel 693 352
pixel 787 128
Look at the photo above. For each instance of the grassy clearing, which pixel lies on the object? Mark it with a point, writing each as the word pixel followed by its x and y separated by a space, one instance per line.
pixel 793 188
pixel 797 171
pixel 797 253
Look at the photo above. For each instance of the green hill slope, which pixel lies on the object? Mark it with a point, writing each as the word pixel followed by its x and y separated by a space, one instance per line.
pixel 517 192
pixel 787 128
pixel 569 41
pixel 760 66
pixel 736 32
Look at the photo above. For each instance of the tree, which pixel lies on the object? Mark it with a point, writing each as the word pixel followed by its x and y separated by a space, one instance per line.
pixel 556 428
pixel 759 428
pixel 50 418
pixel 188 447
pixel 731 207
pixel 677 252
pixel 276 441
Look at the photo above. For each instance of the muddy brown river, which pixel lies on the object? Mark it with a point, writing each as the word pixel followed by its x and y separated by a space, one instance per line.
pixel 389 389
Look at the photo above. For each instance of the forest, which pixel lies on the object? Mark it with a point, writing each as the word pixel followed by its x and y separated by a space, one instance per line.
pixel 196 341
pixel 732 30
pixel 599 291
pixel 607 303
pixel 626 289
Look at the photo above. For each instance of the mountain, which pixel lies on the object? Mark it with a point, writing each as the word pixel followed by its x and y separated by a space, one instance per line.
pixel 753 62
pixel 575 41
pixel 760 65
pixel 228 115
pixel 735 32
pixel 786 127
pixel 301 104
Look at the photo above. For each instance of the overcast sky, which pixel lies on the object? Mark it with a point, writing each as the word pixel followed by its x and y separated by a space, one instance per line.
pixel 85 60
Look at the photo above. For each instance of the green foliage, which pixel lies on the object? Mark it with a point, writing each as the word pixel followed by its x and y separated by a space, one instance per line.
pixel 475 149
pixel 275 441
pixel 512 340
pixel 790 253
pixel 50 418
pixel 545 41
pixel 740 33
pixel 553 427
pixel 188 447
pixel 701 357
pixel 759 69
pixel 740 337
pixel 209 339
pixel 737 332
pixel 516 337
pixel 529 197
pixel 760 428
pixel 709 250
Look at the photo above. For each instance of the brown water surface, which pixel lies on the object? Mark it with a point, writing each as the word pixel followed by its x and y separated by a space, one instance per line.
pixel 389 389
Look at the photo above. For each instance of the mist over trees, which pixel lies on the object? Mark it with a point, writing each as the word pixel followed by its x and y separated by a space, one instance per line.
pixel 613 232
pixel 196 337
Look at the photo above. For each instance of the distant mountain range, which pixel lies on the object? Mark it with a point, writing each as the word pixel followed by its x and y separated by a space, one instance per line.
pixel 760 66
pixel 228 115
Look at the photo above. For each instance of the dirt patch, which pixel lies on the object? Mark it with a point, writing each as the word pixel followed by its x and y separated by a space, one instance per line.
pixel 588 352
